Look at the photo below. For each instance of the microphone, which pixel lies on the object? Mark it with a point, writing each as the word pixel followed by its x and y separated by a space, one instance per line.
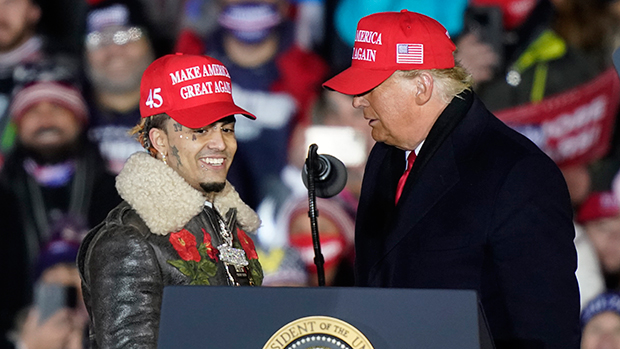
pixel 329 172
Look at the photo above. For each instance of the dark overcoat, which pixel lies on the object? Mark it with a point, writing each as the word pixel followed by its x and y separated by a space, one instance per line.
pixel 483 209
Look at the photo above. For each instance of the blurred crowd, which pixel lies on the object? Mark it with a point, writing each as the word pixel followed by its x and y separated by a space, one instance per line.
pixel 70 75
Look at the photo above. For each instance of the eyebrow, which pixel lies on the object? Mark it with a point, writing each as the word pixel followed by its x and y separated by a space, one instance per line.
pixel 219 122
pixel 222 123
pixel 227 120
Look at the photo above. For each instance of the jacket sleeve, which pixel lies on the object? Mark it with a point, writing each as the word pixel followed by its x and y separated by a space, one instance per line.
pixel 534 254
pixel 125 290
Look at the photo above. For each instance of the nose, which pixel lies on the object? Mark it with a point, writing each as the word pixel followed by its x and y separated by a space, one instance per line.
pixel 43 112
pixel 113 49
pixel 216 141
pixel 359 101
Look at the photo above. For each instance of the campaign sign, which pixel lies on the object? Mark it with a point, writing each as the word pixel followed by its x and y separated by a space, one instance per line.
pixel 573 127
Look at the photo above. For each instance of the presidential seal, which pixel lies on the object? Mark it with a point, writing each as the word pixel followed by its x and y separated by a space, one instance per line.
pixel 318 332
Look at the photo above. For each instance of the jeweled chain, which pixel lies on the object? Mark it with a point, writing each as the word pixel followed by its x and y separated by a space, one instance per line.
pixel 228 253
pixel 226 235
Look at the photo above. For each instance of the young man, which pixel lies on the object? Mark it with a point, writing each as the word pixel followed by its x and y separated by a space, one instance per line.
pixel 481 207
pixel 181 222
pixel 274 76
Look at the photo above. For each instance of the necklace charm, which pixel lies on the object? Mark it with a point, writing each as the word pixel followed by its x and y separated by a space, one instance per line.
pixel 232 256
pixel 229 254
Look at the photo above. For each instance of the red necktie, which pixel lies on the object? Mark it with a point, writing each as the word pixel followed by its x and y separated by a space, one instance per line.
pixel 403 178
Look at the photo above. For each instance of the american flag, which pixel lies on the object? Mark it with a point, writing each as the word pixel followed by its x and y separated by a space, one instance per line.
pixel 410 53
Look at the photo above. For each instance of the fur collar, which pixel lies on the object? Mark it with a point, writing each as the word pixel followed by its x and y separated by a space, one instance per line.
pixel 166 202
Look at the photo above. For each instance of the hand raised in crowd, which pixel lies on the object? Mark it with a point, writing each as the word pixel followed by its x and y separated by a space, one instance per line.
pixel 477 57
pixel 56 332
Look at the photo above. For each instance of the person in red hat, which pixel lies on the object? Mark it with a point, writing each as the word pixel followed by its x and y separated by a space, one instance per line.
pixel 600 217
pixel 452 198
pixel 181 222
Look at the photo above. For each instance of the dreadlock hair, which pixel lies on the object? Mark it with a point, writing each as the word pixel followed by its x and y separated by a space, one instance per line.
pixel 144 127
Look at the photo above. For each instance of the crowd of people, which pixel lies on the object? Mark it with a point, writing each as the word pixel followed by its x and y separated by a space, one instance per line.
pixel 70 77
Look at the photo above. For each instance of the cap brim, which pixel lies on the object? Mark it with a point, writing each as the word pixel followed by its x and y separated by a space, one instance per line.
pixel 206 114
pixel 356 81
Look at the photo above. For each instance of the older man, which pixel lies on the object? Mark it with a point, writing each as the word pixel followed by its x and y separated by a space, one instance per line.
pixel 181 222
pixel 481 207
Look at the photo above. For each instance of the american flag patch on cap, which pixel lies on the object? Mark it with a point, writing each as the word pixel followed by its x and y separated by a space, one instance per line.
pixel 410 53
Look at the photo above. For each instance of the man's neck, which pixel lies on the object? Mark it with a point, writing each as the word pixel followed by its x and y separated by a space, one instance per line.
pixel 119 102
pixel 250 55
pixel 209 197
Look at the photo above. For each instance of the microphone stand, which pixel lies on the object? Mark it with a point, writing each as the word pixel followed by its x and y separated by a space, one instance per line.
pixel 313 213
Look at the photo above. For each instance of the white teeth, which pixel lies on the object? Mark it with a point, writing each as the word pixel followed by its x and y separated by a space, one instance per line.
pixel 214 161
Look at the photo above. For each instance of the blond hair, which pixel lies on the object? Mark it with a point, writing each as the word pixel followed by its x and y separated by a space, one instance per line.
pixel 448 82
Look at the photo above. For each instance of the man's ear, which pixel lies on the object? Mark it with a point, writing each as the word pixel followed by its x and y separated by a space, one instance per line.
pixel 159 140
pixel 424 84
pixel 34 14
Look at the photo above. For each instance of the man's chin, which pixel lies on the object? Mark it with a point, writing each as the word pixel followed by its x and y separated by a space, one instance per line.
pixel 50 154
pixel 213 187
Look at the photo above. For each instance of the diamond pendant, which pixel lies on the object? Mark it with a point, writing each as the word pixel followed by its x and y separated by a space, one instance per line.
pixel 232 256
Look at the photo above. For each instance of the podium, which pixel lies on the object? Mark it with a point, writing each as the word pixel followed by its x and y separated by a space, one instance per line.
pixel 290 317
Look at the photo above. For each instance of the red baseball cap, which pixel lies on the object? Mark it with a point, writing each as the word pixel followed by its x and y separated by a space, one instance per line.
pixel 194 90
pixel 598 205
pixel 389 41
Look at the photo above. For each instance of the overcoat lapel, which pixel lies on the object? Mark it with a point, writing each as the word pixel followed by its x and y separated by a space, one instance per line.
pixel 419 197
pixel 433 174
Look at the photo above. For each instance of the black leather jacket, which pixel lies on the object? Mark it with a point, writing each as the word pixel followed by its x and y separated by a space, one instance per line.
pixel 125 261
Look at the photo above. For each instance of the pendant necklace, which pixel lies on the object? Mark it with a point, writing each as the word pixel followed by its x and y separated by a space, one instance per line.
pixel 229 254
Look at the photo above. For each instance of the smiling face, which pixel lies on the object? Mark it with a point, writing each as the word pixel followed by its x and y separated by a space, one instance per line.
pixel 47 129
pixel 201 156
pixel 118 68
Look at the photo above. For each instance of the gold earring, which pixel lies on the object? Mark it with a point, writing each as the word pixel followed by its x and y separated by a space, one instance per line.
pixel 163 158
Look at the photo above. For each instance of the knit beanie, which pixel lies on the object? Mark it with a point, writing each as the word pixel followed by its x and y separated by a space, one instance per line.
pixel 60 93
